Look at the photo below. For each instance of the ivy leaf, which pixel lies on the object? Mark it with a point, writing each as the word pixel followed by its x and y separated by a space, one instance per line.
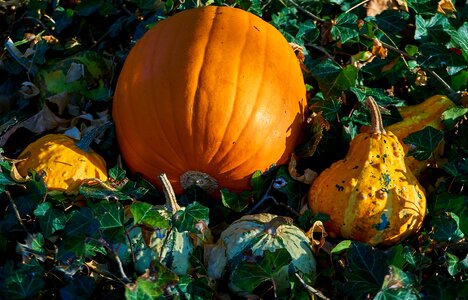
pixel 397 285
pixel 448 202
pixel 391 21
pixel 194 288
pixel 341 247
pixel 452 115
pixel 110 215
pixel 331 109
pixel 440 287
pixel 334 79
pixel 191 218
pixel 437 29
pixel 416 260
pixel 151 285
pixel 117 173
pixel 345 28
pixel 423 142
pixel 247 276
pixel 81 223
pixel 294 190
pixel 380 95
pixel 460 38
pixel 261 181
pixel 453 266
pixel 366 271
pixel 81 287
pixel 100 193
pixel 458 168
pixel 236 202
pixel 423 6
pixel 446 228
pixel 145 213
pixel 50 219
pixel 435 55
pixel 111 219
pixel 23 283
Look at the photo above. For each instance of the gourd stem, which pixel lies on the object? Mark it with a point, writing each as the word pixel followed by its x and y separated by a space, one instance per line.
pixel 272 226
pixel 376 117
pixel 171 200
pixel 89 137
pixel 200 179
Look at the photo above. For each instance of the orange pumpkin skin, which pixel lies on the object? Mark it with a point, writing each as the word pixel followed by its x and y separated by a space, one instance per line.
pixel 64 163
pixel 215 90
pixel 370 196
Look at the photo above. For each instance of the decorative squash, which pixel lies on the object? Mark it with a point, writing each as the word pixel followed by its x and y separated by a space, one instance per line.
pixel 417 117
pixel 169 245
pixel 66 163
pixel 209 95
pixel 248 238
pixel 370 196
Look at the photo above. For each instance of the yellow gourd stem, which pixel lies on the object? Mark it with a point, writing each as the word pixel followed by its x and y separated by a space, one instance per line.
pixel 171 200
pixel 376 117
pixel 89 137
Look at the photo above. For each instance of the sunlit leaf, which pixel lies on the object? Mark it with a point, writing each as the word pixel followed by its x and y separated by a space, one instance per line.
pixel 334 79
pixel 190 218
pixel 145 213
pixel 397 285
pixel 345 28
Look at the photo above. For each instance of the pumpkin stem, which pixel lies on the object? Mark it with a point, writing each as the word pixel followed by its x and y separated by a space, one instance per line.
pixel 89 137
pixel 376 117
pixel 272 227
pixel 171 200
pixel 200 179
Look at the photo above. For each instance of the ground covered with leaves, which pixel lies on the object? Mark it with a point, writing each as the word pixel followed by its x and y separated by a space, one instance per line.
pixel 59 64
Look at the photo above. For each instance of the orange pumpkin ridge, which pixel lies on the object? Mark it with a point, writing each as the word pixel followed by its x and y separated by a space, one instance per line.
pixel 215 90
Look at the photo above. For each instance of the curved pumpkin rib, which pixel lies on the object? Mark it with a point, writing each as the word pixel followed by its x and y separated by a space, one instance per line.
pixel 198 141
pixel 225 147
pixel 230 147
pixel 169 131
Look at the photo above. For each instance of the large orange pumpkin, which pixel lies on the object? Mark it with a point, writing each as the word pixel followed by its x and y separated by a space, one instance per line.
pixel 215 90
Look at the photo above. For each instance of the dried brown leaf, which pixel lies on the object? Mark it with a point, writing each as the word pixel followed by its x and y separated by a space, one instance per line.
pixel 378 49
pixel 316 124
pixel 375 7
pixel 28 90
pixel 317 235
pixel 308 176
pixel 446 8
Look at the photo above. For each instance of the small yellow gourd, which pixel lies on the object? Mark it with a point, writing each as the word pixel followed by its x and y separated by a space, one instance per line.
pixel 370 196
pixel 65 162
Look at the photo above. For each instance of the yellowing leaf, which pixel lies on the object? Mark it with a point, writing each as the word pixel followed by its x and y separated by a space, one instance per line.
pixel 378 49
pixel 446 8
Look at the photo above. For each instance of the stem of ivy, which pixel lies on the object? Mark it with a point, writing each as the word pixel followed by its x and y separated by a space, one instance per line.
pixel 449 89
pixel 306 11
pixel 310 289
pixel 15 209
